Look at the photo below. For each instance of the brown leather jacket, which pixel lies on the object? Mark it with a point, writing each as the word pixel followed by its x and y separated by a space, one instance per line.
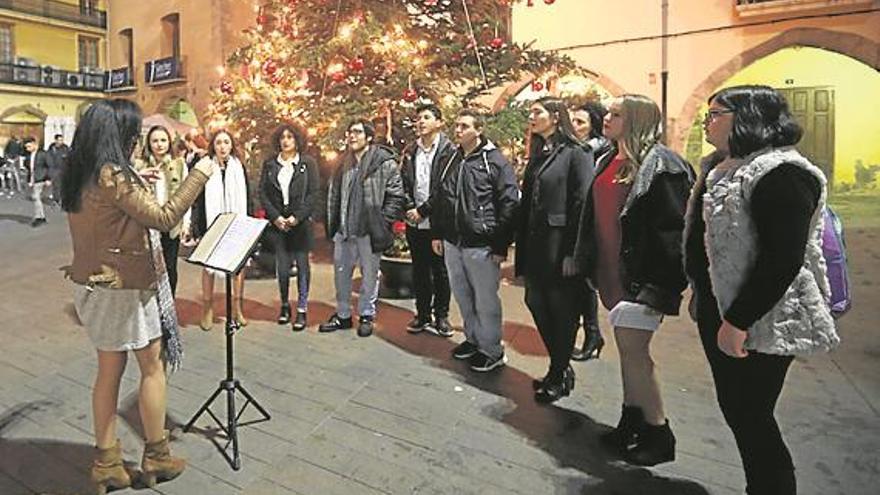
pixel 111 244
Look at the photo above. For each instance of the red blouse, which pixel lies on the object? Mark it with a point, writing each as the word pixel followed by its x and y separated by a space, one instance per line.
pixel 608 200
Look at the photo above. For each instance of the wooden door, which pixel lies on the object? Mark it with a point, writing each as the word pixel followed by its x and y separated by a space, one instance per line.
pixel 814 110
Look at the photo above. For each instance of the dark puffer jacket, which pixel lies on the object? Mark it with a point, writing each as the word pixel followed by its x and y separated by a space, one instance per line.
pixel 383 196
pixel 477 197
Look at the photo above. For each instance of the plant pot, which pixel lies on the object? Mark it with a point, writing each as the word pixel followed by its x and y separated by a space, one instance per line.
pixel 396 278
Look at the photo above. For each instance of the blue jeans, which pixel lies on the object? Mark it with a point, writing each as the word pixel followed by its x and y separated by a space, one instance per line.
pixel 347 252
pixel 474 278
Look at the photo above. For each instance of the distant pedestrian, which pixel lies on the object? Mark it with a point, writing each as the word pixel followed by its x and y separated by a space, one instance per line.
pixel 754 258
pixel 57 154
pixel 37 164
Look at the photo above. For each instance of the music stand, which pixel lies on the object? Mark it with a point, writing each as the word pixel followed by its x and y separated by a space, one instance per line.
pixel 226 247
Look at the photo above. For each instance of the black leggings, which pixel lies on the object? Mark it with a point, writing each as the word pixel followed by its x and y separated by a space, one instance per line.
pixel 747 391
pixel 170 248
pixel 554 307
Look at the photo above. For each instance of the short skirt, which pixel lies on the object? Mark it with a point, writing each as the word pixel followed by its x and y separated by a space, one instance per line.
pixel 635 315
pixel 118 319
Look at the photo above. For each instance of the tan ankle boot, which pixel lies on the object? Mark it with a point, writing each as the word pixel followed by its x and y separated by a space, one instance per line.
pixel 207 317
pixel 158 463
pixel 237 313
pixel 108 470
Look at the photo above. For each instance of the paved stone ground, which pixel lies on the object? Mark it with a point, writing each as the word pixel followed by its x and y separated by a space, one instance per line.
pixel 392 413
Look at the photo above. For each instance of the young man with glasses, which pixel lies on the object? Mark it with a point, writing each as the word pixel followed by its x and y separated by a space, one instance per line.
pixel 364 198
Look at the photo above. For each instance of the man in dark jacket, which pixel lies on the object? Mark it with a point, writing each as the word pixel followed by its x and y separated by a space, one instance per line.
pixel 38 176
pixel 365 197
pixel 473 215
pixel 422 163
pixel 57 156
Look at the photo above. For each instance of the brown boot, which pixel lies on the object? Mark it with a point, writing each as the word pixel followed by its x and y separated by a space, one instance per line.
pixel 159 465
pixel 108 471
pixel 207 317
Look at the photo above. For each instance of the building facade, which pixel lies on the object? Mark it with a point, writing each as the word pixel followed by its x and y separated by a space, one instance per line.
pixel 169 55
pixel 51 64
pixel 823 54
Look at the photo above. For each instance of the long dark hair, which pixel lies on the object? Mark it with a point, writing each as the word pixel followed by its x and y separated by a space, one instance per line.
pixel 597 112
pixel 106 134
pixel 148 151
pixel 564 129
pixel 761 119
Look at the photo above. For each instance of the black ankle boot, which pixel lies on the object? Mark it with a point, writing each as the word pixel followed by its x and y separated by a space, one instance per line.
pixel 654 445
pixel 284 314
pixel 623 436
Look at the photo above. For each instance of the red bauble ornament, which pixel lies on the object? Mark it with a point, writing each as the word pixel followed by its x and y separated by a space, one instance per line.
pixel 338 76
pixel 262 19
pixel 537 86
pixel 270 67
pixel 275 78
pixel 356 64
pixel 456 58
pixel 410 95
pixel 430 3
pixel 227 88
pixel 496 43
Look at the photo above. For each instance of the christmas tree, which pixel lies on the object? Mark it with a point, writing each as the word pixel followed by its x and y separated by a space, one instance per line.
pixel 323 62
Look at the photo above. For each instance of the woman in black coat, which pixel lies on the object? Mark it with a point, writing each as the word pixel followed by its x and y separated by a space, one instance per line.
pixel 288 191
pixel 555 183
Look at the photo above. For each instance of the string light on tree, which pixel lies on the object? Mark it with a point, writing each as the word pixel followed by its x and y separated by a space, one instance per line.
pixel 323 61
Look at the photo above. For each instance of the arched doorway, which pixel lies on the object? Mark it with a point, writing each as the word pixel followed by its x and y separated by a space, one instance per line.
pixel 22 121
pixel 836 106
pixel 832 103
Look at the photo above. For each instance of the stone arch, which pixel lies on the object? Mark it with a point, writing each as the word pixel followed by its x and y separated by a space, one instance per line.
pixel 29 109
pixel 852 45
pixel 514 88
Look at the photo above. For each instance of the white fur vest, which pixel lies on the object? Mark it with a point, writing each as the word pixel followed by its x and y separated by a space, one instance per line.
pixel 800 322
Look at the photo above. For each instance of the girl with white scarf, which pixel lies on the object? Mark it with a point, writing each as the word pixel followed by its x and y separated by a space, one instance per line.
pixel 225 192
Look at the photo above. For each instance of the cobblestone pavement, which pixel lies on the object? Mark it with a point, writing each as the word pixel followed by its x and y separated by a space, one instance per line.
pixel 393 413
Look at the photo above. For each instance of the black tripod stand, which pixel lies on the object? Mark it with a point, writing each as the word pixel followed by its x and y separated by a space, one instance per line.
pixel 230 385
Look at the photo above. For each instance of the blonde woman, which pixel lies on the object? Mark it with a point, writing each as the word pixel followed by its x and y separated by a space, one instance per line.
pixel 226 192
pixel 630 247
pixel 169 173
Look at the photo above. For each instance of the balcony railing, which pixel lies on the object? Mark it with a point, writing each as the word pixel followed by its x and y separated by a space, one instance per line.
pixel 163 70
pixel 47 77
pixel 58 10
pixel 120 79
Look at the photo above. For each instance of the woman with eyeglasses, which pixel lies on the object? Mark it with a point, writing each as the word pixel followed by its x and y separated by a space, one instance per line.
pixel 630 247
pixel 753 254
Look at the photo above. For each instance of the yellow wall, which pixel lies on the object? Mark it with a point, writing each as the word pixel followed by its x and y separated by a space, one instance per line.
pixel 50 45
pixel 52 105
pixel 856 103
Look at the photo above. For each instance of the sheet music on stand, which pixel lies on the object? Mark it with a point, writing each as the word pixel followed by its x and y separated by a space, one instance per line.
pixel 228 242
